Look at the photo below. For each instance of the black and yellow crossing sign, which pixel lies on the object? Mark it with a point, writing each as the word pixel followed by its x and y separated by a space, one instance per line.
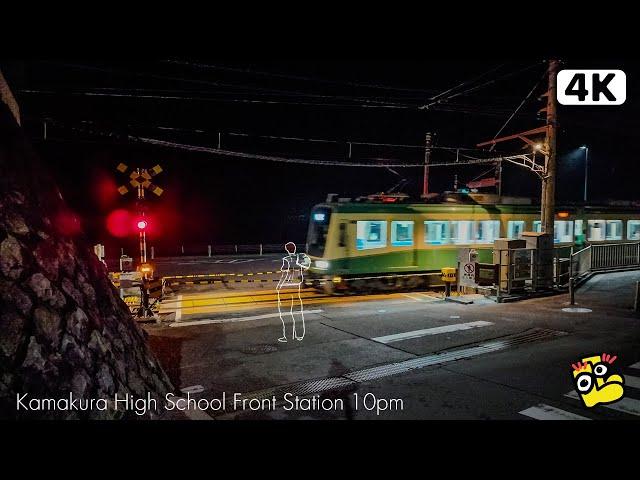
pixel 140 178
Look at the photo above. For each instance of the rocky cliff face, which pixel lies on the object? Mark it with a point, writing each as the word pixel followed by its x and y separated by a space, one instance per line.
pixel 63 327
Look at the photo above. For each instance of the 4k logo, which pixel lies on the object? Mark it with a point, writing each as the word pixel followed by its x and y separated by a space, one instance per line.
pixel 592 87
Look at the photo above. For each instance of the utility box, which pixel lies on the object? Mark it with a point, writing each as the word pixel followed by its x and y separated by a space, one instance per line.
pixel 506 258
pixel 543 244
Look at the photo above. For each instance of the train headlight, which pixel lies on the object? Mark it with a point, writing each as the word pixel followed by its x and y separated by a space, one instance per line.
pixel 322 264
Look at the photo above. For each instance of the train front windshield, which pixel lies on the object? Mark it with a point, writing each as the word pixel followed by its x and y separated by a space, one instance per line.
pixel 318 230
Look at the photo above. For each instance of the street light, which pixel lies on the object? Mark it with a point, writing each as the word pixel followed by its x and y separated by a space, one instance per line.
pixel 586 169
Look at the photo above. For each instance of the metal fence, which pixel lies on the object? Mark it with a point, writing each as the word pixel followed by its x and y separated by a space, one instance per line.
pixel 605 257
pixel 617 255
pixel 601 258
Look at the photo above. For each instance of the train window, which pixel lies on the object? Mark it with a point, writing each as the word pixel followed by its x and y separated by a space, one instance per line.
pixel 461 231
pixel 515 228
pixel 633 230
pixel 537 226
pixel 371 234
pixel 401 233
pixel 487 231
pixel 596 230
pixel 563 231
pixel 578 229
pixel 614 230
pixel 435 232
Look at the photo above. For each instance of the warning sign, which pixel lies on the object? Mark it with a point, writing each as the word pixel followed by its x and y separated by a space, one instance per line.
pixel 467 274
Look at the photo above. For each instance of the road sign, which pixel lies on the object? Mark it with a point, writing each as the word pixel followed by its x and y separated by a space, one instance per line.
pixel 467 274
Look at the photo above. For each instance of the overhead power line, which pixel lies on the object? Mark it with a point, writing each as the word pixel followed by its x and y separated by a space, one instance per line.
pixel 272 158
pixel 524 100
pixel 300 77
pixel 221 132
pixel 478 87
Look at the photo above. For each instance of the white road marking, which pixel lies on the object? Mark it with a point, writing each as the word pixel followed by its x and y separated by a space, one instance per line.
pixel 178 308
pixel 635 365
pixel 547 412
pixel 625 405
pixel 422 298
pixel 426 295
pixel 208 321
pixel 430 331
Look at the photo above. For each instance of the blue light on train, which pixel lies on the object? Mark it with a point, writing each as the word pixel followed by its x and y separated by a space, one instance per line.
pixel 319 217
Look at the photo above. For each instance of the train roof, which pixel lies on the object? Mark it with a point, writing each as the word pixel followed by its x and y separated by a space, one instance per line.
pixel 379 207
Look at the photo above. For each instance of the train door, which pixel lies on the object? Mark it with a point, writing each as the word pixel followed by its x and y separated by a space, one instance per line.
pixel 347 239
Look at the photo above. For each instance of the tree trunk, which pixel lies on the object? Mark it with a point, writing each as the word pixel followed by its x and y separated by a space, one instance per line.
pixel 63 328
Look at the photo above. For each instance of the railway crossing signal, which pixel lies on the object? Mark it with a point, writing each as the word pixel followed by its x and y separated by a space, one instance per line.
pixel 140 179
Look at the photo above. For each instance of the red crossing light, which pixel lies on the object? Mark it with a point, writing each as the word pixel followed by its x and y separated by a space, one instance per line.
pixel 142 224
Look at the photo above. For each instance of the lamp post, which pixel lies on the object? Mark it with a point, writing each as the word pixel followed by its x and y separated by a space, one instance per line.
pixel 586 169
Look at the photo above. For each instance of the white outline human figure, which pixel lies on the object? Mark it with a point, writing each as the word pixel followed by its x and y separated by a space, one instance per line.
pixel 292 270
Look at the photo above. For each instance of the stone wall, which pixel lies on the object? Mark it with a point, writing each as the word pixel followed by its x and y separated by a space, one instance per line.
pixel 63 327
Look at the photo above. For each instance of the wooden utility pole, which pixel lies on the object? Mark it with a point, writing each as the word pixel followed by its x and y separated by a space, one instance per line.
pixel 549 180
pixel 427 157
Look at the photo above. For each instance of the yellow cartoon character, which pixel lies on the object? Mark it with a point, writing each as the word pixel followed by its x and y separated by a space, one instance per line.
pixel 594 383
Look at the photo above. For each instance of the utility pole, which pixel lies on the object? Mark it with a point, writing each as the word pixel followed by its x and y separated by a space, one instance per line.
pixel 427 157
pixel 549 180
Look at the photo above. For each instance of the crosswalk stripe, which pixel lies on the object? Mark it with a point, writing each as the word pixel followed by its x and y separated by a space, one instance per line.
pixel 547 412
pixel 625 405
pixel 430 331
pixel 631 381
pixel 635 365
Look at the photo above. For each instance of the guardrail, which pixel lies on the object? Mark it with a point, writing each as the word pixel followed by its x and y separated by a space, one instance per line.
pixel 607 257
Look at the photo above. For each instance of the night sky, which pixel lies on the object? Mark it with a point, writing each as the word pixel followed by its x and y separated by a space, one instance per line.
pixel 91 107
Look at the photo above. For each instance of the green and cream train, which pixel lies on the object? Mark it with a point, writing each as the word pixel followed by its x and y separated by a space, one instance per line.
pixel 377 246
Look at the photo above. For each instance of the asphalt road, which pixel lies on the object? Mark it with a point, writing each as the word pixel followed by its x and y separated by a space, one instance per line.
pixel 400 356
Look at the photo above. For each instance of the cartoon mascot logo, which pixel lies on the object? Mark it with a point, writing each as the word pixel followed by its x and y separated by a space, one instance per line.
pixel 595 383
